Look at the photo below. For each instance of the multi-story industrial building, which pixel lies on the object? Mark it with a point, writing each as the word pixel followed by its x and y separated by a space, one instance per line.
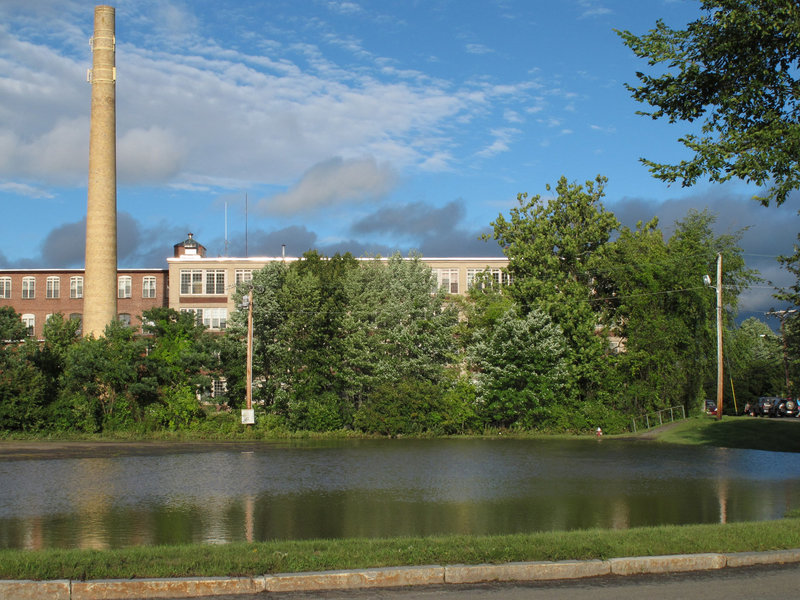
pixel 192 281
pixel 38 293
pixel 205 284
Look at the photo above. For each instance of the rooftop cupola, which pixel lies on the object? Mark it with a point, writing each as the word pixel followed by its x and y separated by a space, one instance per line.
pixel 189 247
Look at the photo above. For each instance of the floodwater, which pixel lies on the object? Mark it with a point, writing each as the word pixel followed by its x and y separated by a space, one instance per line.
pixel 378 488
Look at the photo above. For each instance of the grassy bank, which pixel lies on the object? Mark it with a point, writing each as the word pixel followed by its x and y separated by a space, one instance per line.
pixel 316 555
pixel 776 435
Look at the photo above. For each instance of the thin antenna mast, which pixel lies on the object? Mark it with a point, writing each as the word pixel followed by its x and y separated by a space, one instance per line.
pixel 245 225
pixel 226 228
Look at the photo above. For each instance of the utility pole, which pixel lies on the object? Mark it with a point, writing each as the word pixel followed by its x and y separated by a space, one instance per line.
pixel 248 415
pixel 718 288
pixel 250 350
pixel 719 337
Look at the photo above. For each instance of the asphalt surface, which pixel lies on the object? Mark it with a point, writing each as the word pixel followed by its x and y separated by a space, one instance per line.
pixel 774 582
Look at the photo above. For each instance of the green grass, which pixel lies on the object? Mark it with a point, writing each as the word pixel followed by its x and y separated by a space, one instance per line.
pixel 318 555
pixel 776 435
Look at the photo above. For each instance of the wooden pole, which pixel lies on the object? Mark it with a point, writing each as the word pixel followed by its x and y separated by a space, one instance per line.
pixel 719 337
pixel 250 350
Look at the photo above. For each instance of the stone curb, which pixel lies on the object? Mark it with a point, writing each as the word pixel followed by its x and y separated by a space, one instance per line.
pixel 526 571
pixel 179 587
pixel 666 564
pixel 128 589
pixel 366 578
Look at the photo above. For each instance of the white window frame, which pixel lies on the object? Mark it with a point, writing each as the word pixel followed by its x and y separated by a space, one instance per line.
pixel 447 279
pixel 53 287
pixel 149 286
pixel 243 275
pixel 498 276
pixel 215 282
pixel 203 282
pixel 124 286
pixel 5 287
pixel 29 321
pixel 28 288
pixel 215 319
pixel 219 387
pixel 76 286
pixel 125 319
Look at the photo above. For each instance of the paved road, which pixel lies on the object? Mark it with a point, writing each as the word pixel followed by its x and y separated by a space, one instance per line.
pixel 750 583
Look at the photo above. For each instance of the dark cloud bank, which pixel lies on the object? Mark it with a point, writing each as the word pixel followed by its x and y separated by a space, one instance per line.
pixel 439 231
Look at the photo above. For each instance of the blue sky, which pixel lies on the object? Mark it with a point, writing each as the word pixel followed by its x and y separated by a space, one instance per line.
pixel 341 125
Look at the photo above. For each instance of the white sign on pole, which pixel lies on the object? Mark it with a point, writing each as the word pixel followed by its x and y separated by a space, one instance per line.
pixel 248 416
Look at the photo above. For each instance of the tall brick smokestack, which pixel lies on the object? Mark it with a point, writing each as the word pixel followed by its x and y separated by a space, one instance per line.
pixel 100 289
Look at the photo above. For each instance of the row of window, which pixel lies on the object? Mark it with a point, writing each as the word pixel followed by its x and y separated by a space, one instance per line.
pixel 210 282
pixel 53 287
pixel 448 278
pixel 30 320
pixel 213 318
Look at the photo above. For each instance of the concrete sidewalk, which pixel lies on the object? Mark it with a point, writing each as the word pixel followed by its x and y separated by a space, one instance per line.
pixel 110 589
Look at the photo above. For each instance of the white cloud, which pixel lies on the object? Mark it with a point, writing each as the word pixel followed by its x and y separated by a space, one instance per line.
pixel 333 182
pixel 148 155
pixel 478 49
pixel 607 129
pixel 512 116
pixel 501 142
pixel 22 189
pixel 347 8
pixel 440 161
pixel 591 8
pixel 195 112
pixel 58 155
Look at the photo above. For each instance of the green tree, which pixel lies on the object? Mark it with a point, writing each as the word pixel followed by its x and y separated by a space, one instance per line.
pixel 646 321
pixel 23 389
pixel 735 69
pixel 179 349
pixel 314 298
pixel 554 247
pixel 101 385
pixel 396 326
pixel 180 361
pixel 664 315
pixel 791 320
pixel 12 328
pixel 30 371
pixel 792 264
pixel 270 350
pixel 523 374
pixel 754 362
pixel 330 333
pixel 483 305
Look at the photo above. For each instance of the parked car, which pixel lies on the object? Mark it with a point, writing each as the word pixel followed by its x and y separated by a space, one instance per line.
pixel 711 407
pixel 763 407
pixel 785 407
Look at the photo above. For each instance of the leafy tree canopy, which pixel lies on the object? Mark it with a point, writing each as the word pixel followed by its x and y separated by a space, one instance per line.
pixel 737 68
pixel 12 329
pixel 792 264
pixel 553 246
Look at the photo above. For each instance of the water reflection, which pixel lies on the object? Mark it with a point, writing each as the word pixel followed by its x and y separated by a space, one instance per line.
pixel 384 488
